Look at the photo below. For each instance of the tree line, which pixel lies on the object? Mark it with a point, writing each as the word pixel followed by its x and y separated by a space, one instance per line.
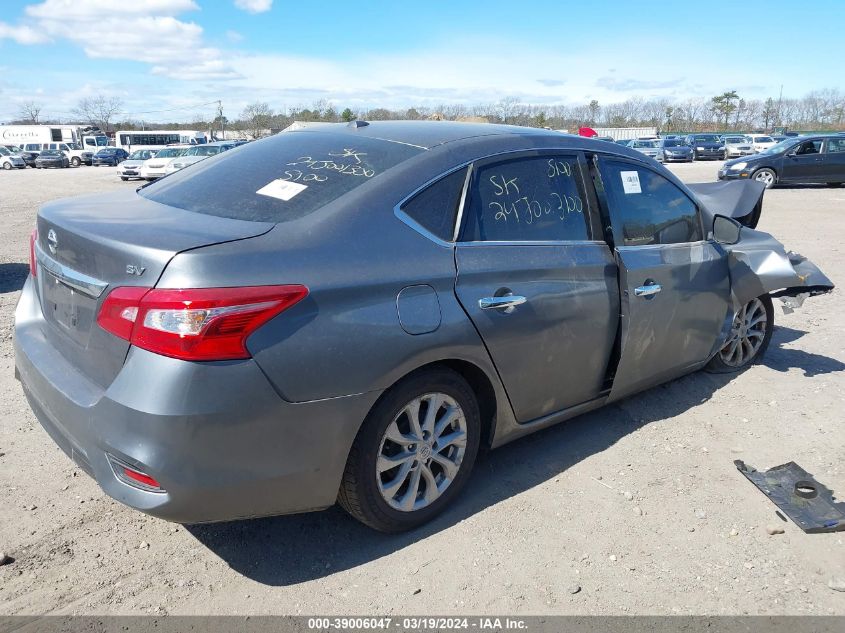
pixel 819 109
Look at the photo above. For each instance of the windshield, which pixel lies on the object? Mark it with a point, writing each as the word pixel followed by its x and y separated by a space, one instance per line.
pixel 50 152
pixel 105 152
pixel 735 139
pixel 764 139
pixel 140 154
pixel 170 152
pixel 636 144
pixel 781 147
pixel 706 138
pixel 671 143
pixel 5 152
pixel 283 177
pixel 202 150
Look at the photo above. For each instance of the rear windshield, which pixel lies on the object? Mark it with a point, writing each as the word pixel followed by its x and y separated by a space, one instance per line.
pixel 671 143
pixel 280 178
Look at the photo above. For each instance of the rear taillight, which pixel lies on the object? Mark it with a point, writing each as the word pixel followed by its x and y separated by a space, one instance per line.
pixel 33 264
pixel 194 324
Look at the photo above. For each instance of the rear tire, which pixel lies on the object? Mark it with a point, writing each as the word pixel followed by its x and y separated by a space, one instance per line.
pixel 124 178
pixel 751 332
pixel 834 184
pixel 7 166
pixel 427 474
pixel 75 161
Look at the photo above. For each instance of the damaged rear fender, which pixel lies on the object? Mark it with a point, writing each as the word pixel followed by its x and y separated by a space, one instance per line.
pixel 759 264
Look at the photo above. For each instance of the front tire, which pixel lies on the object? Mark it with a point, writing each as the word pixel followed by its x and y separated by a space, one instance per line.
pixel 751 332
pixel 7 166
pixel 414 452
pixel 75 161
pixel 766 176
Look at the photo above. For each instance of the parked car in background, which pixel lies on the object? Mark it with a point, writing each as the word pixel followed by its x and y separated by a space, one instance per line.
pixel 350 314
pixel 73 151
pixel 814 159
pixel 131 167
pixel 608 139
pixel 11 160
pixel 761 142
pixel 111 156
pixel 673 150
pixel 737 145
pixel 647 147
pixel 28 157
pixel 52 158
pixel 706 146
pixel 624 141
pixel 196 154
pixel 156 166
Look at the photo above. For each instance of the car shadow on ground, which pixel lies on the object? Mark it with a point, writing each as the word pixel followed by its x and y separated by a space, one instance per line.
pixel 781 358
pixel 12 277
pixel 292 549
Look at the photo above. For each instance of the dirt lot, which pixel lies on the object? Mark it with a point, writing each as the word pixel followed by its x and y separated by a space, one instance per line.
pixel 639 505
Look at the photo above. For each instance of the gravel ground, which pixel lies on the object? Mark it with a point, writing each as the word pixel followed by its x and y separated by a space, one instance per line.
pixel 634 509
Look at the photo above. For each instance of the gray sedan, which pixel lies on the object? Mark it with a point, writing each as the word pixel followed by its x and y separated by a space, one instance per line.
pixel 349 313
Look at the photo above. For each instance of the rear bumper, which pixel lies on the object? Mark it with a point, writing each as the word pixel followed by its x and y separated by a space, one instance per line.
pixel 217 436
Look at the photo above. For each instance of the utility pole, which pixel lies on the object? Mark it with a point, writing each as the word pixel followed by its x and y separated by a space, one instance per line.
pixel 220 116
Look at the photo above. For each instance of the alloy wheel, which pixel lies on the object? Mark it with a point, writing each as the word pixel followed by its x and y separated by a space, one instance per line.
pixel 765 176
pixel 748 331
pixel 421 452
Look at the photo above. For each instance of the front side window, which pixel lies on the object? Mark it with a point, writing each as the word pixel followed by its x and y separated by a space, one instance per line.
pixel 530 199
pixel 435 208
pixel 809 147
pixel 648 209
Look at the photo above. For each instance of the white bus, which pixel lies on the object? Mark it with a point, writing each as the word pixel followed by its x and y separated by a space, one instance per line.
pixel 38 136
pixel 156 139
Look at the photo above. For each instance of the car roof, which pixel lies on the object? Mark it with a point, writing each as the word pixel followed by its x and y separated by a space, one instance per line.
pixel 433 134
pixel 427 134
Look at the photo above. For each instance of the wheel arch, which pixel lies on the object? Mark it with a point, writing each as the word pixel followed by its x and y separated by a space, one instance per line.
pixel 478 380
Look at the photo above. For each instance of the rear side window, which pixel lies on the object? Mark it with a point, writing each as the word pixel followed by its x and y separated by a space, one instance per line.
pixel 646 208
pixel 284 177
pixel 435 208
pixel 527 200
pixel 836 145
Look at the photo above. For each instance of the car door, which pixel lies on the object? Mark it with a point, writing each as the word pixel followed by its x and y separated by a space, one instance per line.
pixel 675 287
pixel 803 163
pixel 834 160
pixel 539 288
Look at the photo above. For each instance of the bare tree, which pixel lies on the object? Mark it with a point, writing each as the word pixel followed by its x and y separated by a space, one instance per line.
pixel 99 110
pixel 30 111
pixel 257 117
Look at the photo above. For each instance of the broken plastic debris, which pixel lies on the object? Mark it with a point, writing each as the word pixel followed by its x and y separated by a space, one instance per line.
pixel 803 499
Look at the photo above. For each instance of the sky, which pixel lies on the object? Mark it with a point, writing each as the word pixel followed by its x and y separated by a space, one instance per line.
pixel 168 60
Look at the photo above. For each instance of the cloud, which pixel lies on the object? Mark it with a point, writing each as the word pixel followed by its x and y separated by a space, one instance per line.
pixel 551 82
pixel 254 6
pixel 21 34
pixel 149 32
pixel 234 36
pixel 628 85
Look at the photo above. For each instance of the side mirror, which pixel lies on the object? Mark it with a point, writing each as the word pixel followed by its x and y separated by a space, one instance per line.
pixel 726 230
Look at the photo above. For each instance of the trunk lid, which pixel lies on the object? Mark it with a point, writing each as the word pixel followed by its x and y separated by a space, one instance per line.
pixel 88 246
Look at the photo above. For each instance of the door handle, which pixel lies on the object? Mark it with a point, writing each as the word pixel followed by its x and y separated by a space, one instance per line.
pixel 501 303
pixel 648 290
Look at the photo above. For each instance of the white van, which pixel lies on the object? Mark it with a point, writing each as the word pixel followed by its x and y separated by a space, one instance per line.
pixel 74 151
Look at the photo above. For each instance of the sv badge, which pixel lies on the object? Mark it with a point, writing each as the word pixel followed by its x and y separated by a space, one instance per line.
pixel 132 269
